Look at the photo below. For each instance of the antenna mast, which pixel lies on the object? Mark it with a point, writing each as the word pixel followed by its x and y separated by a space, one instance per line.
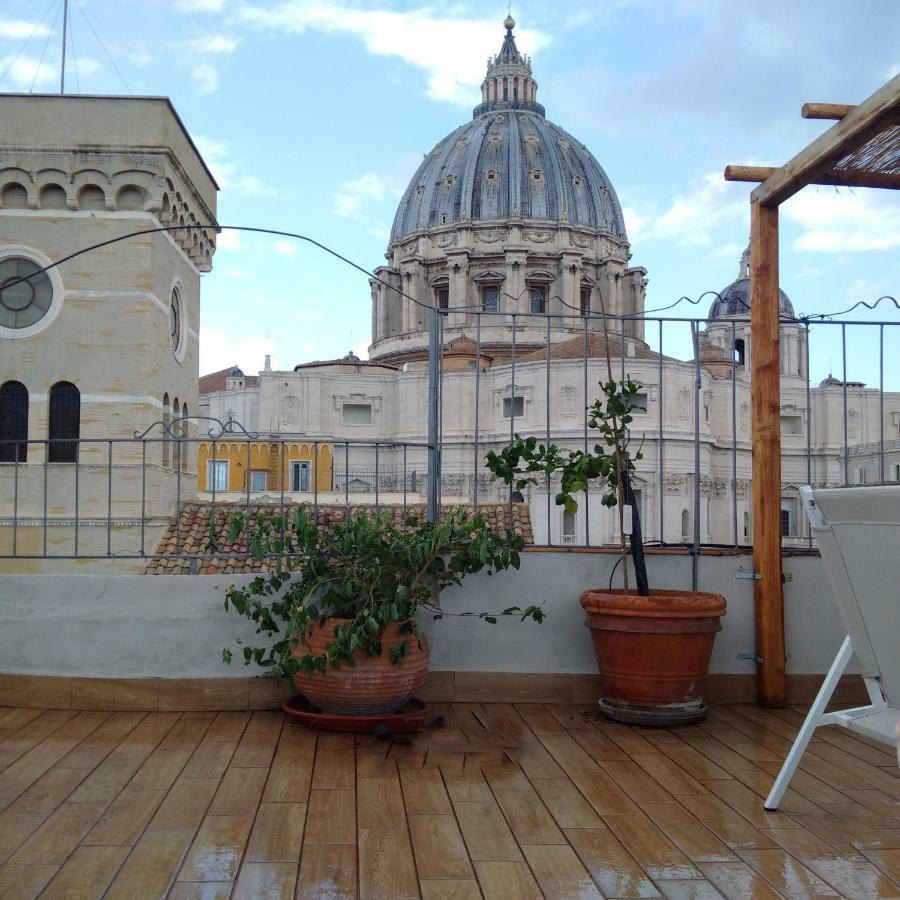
pixel 62 68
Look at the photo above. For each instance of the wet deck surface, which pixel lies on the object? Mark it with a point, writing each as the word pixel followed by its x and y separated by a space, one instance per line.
pixel 503 801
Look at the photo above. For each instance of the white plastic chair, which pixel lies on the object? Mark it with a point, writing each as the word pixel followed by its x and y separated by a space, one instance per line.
pixel 858 533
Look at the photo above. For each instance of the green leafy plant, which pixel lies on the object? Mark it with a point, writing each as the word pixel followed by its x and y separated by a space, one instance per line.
pixel 525 461
pixel 366 571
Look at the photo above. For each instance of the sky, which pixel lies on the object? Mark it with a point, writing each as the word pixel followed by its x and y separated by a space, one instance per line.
pixel 314 115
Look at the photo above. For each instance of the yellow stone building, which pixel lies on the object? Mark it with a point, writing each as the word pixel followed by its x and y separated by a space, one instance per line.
pixel 264 466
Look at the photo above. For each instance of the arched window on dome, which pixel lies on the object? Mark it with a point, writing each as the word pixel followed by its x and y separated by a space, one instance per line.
pixel 65 423
pixel 13 422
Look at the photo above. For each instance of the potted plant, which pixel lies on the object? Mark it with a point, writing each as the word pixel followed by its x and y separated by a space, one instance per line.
pixel 653 646
pixel 344 599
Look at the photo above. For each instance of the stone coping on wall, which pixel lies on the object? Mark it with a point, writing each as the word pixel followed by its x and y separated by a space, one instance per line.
pixel 217 694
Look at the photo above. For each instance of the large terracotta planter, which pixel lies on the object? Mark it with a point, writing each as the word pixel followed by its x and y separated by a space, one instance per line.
pixel 374 685
pixel 653 652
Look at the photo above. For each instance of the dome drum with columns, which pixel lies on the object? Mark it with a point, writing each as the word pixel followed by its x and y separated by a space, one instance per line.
pixel 508 212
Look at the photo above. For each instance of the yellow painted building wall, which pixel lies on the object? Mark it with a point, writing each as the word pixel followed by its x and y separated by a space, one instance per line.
pixel 272 457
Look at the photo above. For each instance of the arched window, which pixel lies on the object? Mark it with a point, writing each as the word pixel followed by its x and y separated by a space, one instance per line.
pixel 739 352
pixel 13 422
pixel 746 528
pixel 685 525
pixel 167 423
pixel 65 422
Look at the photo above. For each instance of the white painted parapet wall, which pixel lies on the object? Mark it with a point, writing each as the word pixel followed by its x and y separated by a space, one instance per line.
pixel 138 626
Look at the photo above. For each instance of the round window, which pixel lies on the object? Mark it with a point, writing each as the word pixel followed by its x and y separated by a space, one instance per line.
pixel 25 297
pixel 175 320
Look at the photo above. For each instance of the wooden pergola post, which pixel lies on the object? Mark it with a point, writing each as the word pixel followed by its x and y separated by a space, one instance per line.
pixel 765 391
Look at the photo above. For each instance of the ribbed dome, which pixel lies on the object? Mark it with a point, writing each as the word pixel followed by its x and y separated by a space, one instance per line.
pixel 509 162
pixel 735 299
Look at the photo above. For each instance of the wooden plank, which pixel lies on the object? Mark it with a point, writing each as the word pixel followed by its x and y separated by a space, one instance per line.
pixel 729 826
pixel 59 835
pixel 327 870
pixel 687 833
pixel 825 110
pixel 689 890
pixel 331 818
pixel 217 849
pixel 277 833
pixel 186 804
pixel 126 817
pixel 87 873
pixel 450 889
pixel 485 831
pixel 289 779
pixel 765 391
pixel 379 803
pixel 629 776
pixel 852 131
pixel 560 873
pixel 150 868
pixel 502 880
pixel 836 177
pixel 24 882
pixel 439 848
pixel 669 774
pixel 789 876
pixel 566 803
pixel 239 792
pixel 201 890
pixel 528 818
pixel 265 880
pixel 424 792
pixel 386 864
pixel 14 831
pixel 611 866
pixel 659 857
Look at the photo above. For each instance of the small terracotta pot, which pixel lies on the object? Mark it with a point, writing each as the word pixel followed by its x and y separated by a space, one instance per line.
pixel 374 685
pixel 653 652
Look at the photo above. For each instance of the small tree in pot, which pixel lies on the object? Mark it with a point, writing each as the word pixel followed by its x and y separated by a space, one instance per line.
pixel 343 601
pixel 653 646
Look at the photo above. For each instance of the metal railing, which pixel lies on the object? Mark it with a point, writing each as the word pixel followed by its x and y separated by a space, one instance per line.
pixel 116 497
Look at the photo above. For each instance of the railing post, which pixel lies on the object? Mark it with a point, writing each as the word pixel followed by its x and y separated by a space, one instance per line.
pixel 434 453
pixel 765 386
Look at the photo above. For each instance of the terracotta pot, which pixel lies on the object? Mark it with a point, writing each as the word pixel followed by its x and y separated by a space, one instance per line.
pixel 653 652
pixel 374 685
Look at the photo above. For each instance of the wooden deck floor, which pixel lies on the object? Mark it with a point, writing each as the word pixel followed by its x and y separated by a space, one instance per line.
pixel 501 801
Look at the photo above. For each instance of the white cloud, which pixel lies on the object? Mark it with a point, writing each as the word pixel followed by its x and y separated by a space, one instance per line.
pixel 219 349
pixel 285 248
pixel 844 221
pixel 18 30
pixel 229 240
pixel 251 186
pixel 694 218
pixel 26 70
pixel 213 44
pixel 201 5
pixel 206 75
pixel 353 195
pixel 451 50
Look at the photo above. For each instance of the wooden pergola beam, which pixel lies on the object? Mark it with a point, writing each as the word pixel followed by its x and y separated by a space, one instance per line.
pixel 825 110
pixel 860 124
pixel 837 177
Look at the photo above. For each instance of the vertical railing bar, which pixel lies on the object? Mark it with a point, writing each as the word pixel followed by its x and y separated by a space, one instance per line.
pixel 77 488
pixel 477 408
pixel 512 410
pixel 214 525
pixel 316 482
pixel 587 503
pixel 881 403
pixel 661 439
pixel 15 533
pixel 347 478
pixel 440 415
pixel 734 509
pixel 143 492
pixel 695 549
pixel 547 380
pixel 846 442
pixel 248 472
pixel 376 478
pixel 404 485
pixel 809 425
pixel 109 459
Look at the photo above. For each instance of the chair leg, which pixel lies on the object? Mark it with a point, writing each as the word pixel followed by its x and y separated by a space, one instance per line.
pixel 809 725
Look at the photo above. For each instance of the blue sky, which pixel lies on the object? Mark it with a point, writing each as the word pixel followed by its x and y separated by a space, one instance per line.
pixel 314 116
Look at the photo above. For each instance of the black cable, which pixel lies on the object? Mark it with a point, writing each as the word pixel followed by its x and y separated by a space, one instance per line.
pixel 37 71
pixel 103 47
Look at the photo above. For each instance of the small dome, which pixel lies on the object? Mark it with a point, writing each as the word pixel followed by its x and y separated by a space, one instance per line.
pixel 509 23
pixel 735 299
pixel 830 380
pixel 235 373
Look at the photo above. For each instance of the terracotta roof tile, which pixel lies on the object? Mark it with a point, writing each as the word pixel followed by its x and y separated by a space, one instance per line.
pixel 574 349
pixel 188 534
